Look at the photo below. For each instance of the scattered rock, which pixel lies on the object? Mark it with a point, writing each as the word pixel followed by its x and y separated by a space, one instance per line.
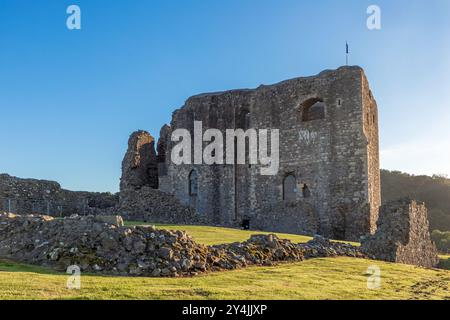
pixel 322 247
pixel 114 220
pixel 99 247
pixel 166 253
pixel 111 248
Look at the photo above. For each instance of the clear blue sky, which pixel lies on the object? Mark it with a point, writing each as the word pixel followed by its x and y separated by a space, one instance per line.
pixel 70 99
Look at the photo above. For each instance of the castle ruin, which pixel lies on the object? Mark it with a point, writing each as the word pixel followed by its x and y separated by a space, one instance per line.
pixel 328 180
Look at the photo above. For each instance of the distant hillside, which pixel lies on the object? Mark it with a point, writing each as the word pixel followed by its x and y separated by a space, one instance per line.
pixel 434 191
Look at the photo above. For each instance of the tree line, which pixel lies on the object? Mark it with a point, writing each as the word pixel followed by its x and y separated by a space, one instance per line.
pixel 434 191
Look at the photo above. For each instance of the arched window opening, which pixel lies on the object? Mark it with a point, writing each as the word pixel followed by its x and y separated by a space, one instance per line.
pixel 305 191
pixel 289 188
pixel 313 109
pixel 193 183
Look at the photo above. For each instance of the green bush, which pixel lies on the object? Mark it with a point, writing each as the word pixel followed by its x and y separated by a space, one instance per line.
pixel 444 264
pixel 434 191
pixel 442 240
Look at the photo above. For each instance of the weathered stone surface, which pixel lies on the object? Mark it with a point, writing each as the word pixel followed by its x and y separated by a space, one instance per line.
pixel 322 247
pixel 163 142
pixel 101 247
pixel 402 235
pixel 139 166
pixel 31 196
pixel 334 154
pixel 114 220
pixel 288 217
pixel 152 205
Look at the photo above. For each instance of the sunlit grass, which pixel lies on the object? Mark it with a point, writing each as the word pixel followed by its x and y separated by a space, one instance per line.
pixel 324 278
pixel 217 235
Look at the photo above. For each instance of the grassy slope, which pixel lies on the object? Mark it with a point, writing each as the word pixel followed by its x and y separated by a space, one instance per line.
pixel 328 278
pixel 218 235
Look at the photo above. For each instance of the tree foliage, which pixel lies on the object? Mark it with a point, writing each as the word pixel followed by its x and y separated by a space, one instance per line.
pixel 442 240
pixel 434 191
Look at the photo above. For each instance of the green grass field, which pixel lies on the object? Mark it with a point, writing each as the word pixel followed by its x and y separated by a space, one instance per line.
pixel 218 235
pixel 325 278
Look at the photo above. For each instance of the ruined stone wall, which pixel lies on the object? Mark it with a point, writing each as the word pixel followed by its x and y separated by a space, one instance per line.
pixel 103 245
pixel 139 166
pixel 402 235
pixel 373 155
pixel 28 196
pixel 140 199
pixel 335 157
pixel 155 206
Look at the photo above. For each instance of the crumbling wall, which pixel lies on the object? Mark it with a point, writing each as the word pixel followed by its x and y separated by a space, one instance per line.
pixel 139 166
pixel 288 217
pixel 335 154
pixel 103 244
pixel 163 157
pixel 155 206
pixel 96 246
pixel 402 235
pixel 28 196
pixel 370 129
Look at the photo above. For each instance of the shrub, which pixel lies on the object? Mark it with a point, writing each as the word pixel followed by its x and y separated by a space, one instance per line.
pixel 442 240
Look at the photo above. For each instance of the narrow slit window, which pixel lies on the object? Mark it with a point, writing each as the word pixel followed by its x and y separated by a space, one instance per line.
pixel 193 183
pixel 289 188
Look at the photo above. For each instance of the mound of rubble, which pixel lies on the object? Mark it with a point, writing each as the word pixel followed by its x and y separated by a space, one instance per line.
pixel 103 244
pixel 323 247
pixel 98 245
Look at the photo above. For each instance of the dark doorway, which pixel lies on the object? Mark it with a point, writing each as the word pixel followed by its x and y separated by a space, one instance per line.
pixel 246 224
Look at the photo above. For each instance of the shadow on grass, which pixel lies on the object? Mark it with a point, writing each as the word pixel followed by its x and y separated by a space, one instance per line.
pixel 12 266
pixel 444 263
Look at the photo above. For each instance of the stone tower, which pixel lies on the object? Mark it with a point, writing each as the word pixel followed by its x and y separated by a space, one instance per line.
pixel 328 180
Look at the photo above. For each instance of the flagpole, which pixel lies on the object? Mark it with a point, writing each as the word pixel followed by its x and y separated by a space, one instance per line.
pixel 346 53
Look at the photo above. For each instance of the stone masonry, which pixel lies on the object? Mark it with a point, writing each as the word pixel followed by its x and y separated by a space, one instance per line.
pixel 153 205
pixel 402 235
pixel 139 164
pixel 104 245
pixel 328 181
pixel 140 199
pixel 32 196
